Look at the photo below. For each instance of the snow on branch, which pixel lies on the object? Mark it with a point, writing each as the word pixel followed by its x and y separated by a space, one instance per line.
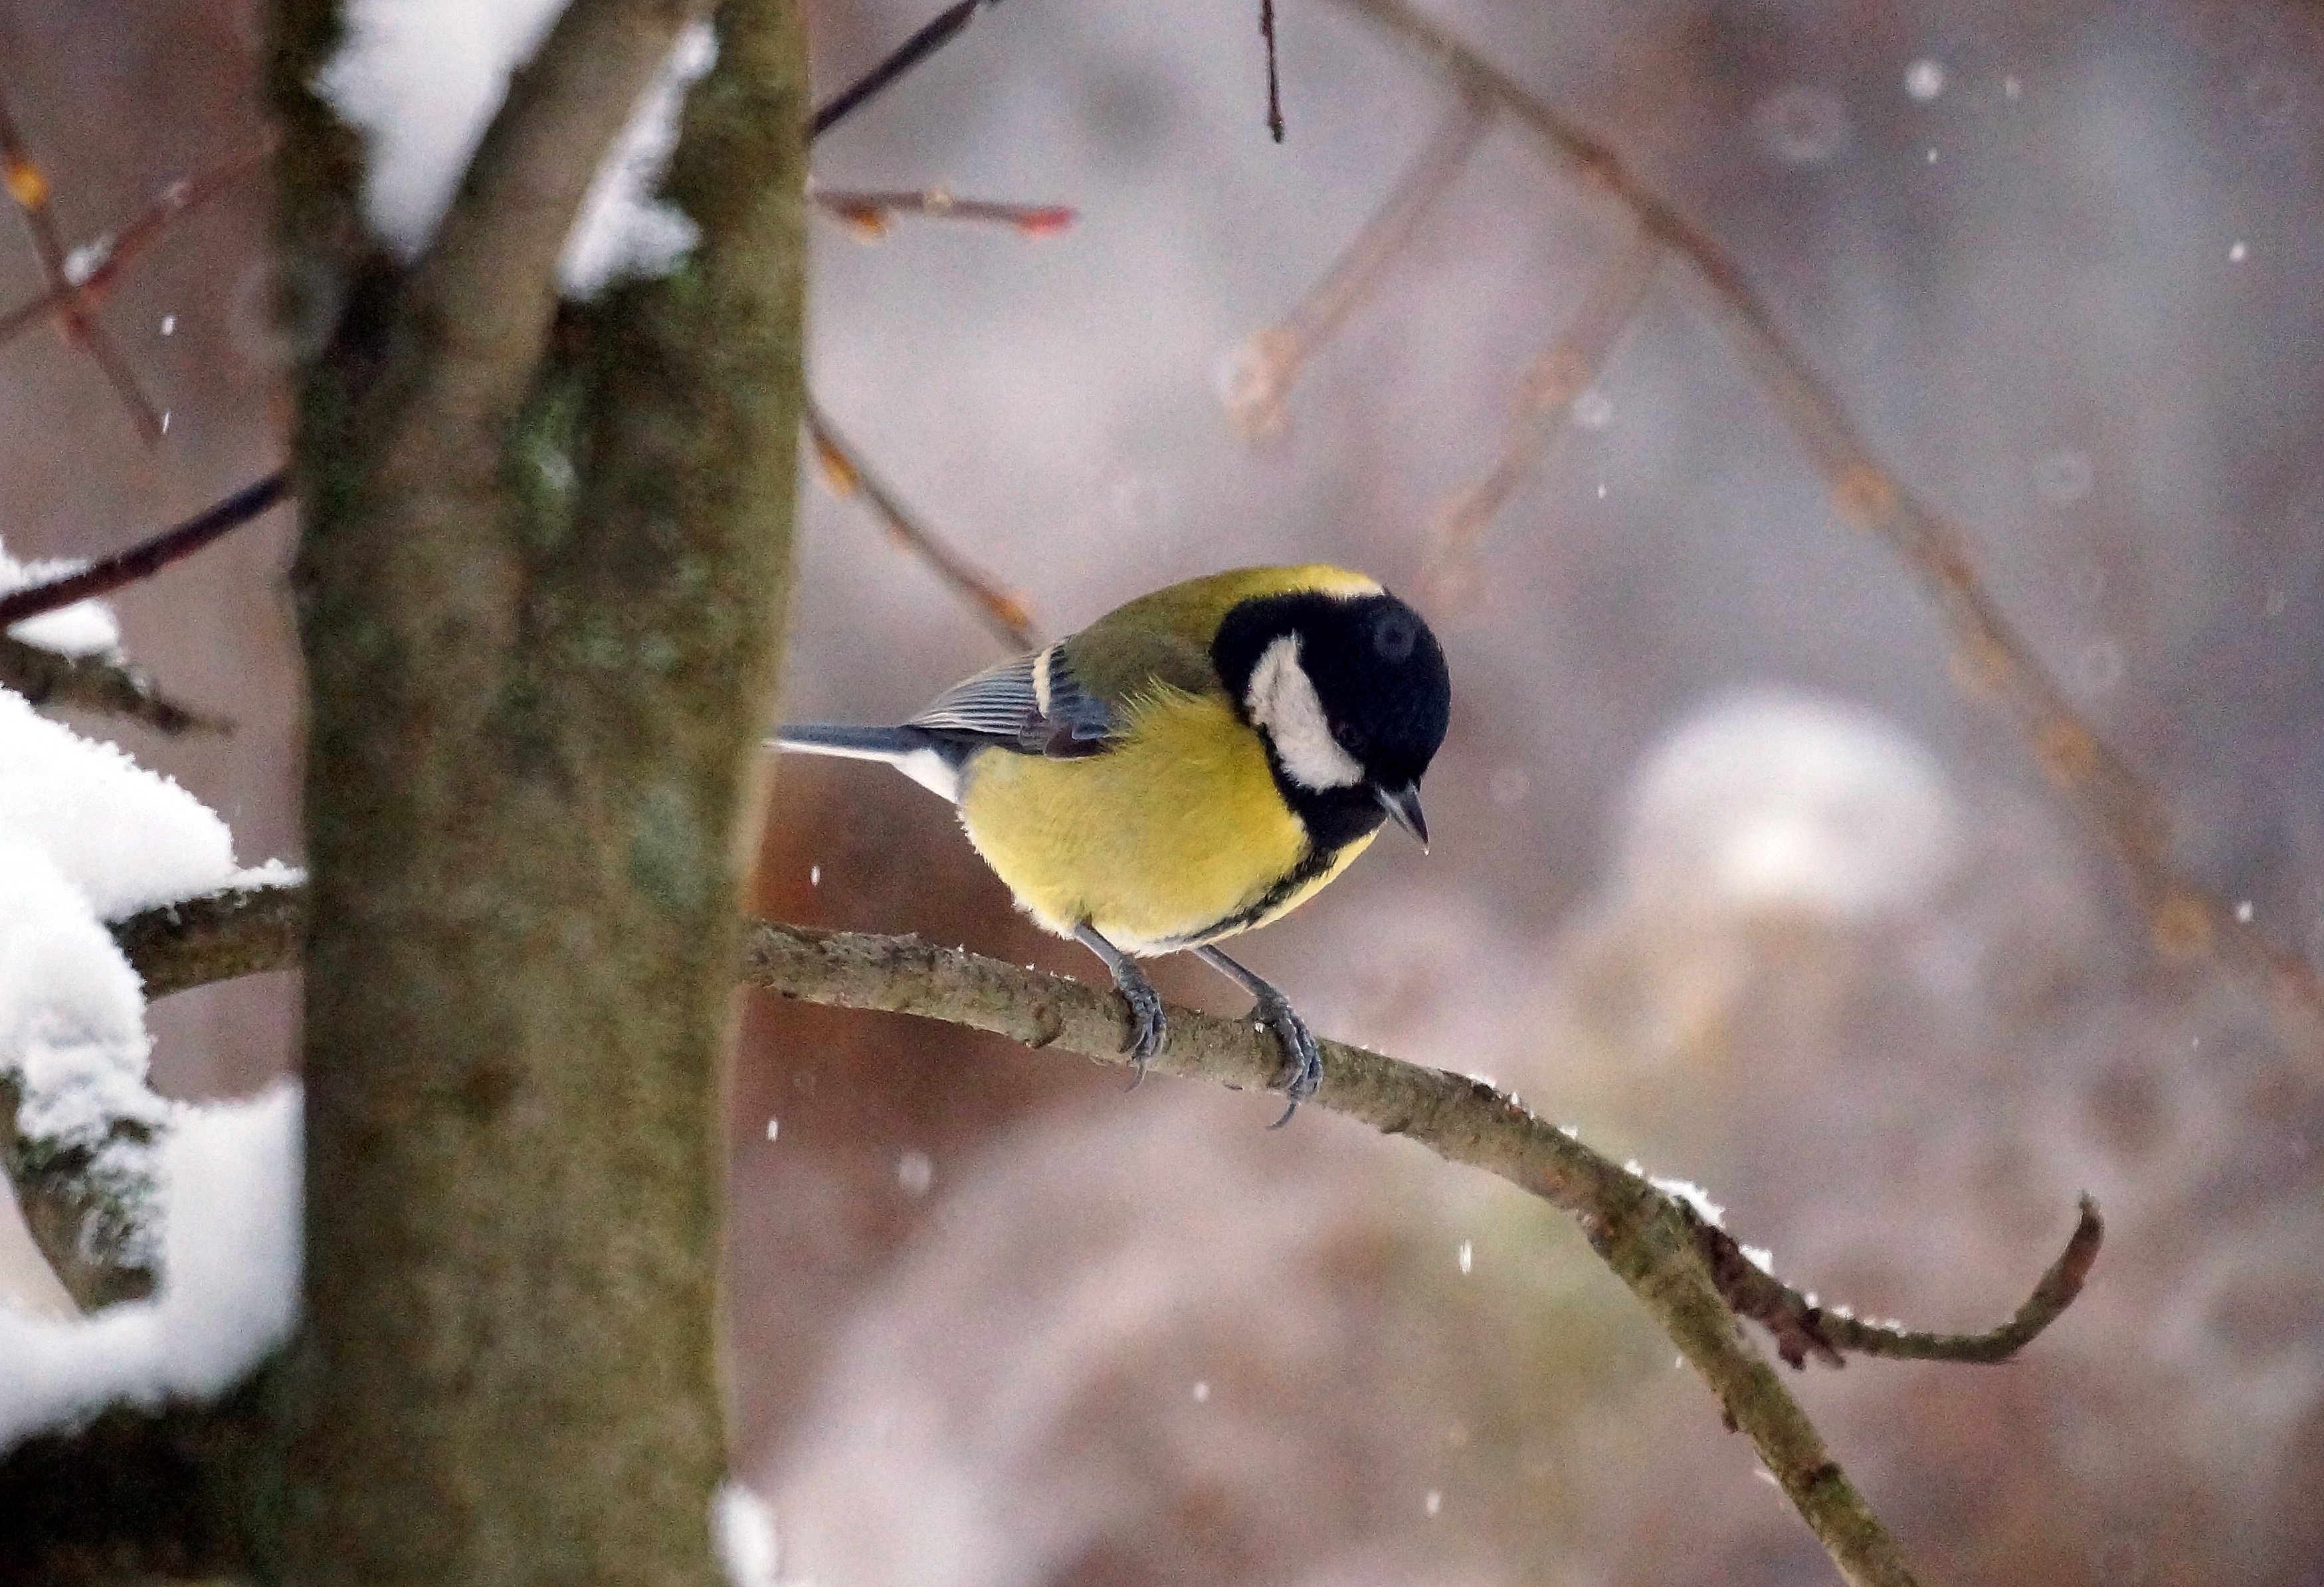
pixel 86 836
pixel 228 1175
pixel 67 656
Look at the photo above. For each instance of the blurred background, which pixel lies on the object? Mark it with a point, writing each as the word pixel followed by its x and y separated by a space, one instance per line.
pixel 1729 873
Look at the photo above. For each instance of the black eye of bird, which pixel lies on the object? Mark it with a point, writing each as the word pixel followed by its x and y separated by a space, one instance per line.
pixel 1394 635
pixel 1350 739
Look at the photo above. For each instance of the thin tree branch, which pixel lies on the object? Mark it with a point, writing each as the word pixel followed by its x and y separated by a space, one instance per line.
pixel 1802 1329
pixel 1274 73
pixel 1648 1239
pixel 91 683
pixel 1269 361
pixel 114 251
pixel 1690 1275
pixel 147 557
pixel 931 36
pixel 29 186
pixel 867 214
pixel 1992 660
pixel 1550 389
pixel 848 474
pixel 254 930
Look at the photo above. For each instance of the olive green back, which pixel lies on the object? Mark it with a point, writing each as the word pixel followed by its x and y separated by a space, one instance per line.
pixel 1164 638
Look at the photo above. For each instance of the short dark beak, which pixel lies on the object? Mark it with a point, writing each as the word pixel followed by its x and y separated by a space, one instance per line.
pixel 1403 805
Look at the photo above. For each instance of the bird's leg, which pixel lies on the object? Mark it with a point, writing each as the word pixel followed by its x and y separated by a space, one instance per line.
pixel 1146 1030
pixel 1274 1010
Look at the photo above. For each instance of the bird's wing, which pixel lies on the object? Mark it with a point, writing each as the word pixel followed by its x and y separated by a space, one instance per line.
pixel 1033 704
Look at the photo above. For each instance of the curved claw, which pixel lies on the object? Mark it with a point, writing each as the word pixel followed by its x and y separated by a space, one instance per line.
pixel 1147 1029
pixel 1274 1011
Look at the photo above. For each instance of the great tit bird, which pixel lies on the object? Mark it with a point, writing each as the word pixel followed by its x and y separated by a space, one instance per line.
pixel 1191 765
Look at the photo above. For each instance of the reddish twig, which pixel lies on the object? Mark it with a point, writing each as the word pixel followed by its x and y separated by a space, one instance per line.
pixel 148 557
pixel 868 213
pixel 848 476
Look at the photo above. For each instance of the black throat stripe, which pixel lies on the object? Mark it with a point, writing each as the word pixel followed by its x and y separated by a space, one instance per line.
pixel 1311 865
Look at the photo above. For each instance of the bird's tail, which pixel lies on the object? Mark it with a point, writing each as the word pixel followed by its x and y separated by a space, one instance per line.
pixel 891 744
pixel 917 753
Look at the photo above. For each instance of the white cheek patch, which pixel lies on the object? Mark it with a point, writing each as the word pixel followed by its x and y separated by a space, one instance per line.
pixel 1282 701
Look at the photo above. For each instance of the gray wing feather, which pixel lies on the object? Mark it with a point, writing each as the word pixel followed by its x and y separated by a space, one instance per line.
pixel 1004 703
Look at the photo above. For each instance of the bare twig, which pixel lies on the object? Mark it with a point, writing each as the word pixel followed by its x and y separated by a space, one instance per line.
pixel 1548 394
pixel 29 186
pixel 1271 360
pixel 999 611
pixel 1693 1278
pixel 867 214
pixel 113 253
pixel 1274 74
pixel 91 683
pixel 147 557
pixel 1802 1329
pixel 1993 661
pixel 931 37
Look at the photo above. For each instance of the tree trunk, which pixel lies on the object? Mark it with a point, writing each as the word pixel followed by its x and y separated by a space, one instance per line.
pixel 542 580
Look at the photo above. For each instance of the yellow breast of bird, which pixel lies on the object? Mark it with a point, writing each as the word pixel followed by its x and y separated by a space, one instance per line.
pixel 1176 836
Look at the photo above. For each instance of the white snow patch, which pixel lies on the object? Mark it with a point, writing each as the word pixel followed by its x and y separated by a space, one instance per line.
pixel 228 1294
pixel 422 79
pixel 742 1531
pixel 87 835
pixel 84 629
pixel 270 873
pixel 121 837
pixel 622 230
pixel 1693 1195
pixel 72 1017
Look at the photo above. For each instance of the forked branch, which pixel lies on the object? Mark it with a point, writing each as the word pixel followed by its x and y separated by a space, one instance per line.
pixel 1692 1276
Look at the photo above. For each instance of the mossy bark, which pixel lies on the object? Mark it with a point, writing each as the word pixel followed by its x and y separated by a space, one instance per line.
pixel 536 696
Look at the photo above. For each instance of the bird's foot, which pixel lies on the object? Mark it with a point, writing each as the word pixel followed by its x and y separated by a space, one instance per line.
pixel 1147 1028
pixel 1274 1010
